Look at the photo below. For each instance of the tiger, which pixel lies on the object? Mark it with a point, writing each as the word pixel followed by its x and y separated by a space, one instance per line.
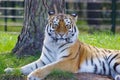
pixel 63 50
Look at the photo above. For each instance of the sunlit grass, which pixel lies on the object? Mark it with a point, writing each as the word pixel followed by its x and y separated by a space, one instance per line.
pixel 7 41
pixel 102 40
pixel 7 59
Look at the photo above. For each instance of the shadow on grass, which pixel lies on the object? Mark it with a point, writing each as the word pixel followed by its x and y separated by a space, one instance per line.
pixel 12 77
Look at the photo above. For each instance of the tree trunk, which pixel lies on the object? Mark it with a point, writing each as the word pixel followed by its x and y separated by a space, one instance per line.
pixel 30 40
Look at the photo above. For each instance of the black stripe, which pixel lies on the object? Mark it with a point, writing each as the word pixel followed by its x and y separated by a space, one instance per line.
pixel 96 49
pixel 103 51
pixel 112 58
pixel 91 60
pixel 72 28
pixel 104 69
pixel 73 34
pixel 49 34
pixel 115 65
pixel 105 57
pixel 47 28
pixel 66 56
pixel 77 52
pixel 89 47
pixel 109 56
pixel 95 68
pixel 62 45
pixel 98 59
pixel 64 49
pixel 86 61
pixel 43 62
pixel 75 28
pixel 36 66
pixel 31 68
pixel 109 51
pixel 100 71
pixel 47 49
pixel 47 57
pixel 110 72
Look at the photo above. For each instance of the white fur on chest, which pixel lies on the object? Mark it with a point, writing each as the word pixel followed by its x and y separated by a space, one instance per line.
pixel 56 52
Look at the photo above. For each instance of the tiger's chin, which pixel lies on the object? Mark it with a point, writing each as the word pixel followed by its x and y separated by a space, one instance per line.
pixel 62 41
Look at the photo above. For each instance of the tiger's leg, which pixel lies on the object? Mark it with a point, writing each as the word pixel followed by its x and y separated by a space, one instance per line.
pixel 41 73
pixel 114 63
pixel 27 68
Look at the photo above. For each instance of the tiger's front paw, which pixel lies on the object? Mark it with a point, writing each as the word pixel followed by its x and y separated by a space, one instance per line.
pixel 8 70
pixel 32 77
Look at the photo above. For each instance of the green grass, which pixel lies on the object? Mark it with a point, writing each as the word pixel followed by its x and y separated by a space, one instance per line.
pixel 8 41
pixel 12 26
pixel 102 40
pixel 10 60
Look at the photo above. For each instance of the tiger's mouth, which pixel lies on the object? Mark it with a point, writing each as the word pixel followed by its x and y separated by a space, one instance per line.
pixel 56 39
pixel 62 39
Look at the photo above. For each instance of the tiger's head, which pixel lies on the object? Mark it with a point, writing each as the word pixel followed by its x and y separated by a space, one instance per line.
pixel 61 28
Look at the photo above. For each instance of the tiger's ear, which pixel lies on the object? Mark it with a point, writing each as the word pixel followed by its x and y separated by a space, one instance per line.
pixel 50 13
pixel 75 16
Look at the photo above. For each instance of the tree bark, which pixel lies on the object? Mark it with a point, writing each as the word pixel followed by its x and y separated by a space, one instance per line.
pixel 30 40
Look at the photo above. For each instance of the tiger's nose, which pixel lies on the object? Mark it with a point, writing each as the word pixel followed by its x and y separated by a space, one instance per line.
pixel 61 34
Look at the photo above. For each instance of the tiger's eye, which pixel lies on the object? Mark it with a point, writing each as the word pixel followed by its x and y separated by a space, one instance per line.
pixel 53 27
pixel 69 27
